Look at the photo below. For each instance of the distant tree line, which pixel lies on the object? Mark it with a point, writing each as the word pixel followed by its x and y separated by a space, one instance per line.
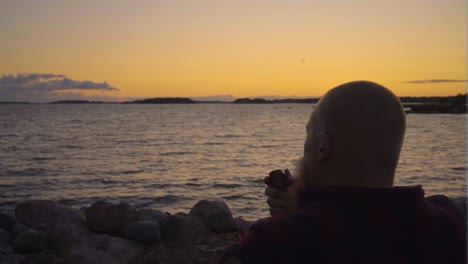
pixel 164 100
pixel 458 99
pixel 275 101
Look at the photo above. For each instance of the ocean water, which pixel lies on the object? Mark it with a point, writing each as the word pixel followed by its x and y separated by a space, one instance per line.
pixel 168 157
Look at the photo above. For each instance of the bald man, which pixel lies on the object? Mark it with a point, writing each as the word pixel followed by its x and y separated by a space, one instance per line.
pixel 342 206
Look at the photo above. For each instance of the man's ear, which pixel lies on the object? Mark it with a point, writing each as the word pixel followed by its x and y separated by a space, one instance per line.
pixel 323 151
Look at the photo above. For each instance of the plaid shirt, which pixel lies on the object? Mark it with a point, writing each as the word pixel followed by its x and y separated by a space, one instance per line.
pixel 358 225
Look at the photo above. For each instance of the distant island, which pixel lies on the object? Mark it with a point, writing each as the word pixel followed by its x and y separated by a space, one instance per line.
pixel 275 101
pixel 76 102
pixel 17 102
pixel 436 105
pixel 251 101
pixel 163 100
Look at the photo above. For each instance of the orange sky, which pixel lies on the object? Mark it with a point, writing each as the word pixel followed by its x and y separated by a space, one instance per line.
pixel 241 48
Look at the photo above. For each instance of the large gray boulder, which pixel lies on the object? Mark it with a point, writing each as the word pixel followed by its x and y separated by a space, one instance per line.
pixel 14 259
pixel 103 249
pixel 181 228
pixel 63 236
pixel 6 221
pixel 5 250
pixel 44 212
pixel 142 231
pixel 31 241
pixel 150 215
pixel 215 215
pixel 46 259
pixel 5 237
pixel 105 217
pixel 18 229
pixel 75 243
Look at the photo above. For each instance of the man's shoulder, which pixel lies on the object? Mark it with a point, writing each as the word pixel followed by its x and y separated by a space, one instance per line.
pixel 452 209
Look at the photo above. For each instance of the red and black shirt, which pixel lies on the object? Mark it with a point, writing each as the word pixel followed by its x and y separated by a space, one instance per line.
pixel 358 225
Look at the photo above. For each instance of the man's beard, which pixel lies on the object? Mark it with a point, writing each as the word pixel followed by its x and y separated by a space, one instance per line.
pixel 299 182
pixel 299 175
pixel 305 175
pixel 299 169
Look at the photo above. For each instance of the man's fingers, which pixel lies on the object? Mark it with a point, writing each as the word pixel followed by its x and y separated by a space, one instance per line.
pixel 289 177
pixel 277 203
pixel 267 180
pixel 275 193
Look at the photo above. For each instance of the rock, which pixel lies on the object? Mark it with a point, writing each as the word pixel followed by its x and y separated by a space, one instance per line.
pixel 215 215
pixel 63 236
pixel 6 221
pixel 31 241
pixel 5 237
pixel 103 249
pixel 46 259
pixel 142 231
pixel 179 228
pixel 5 250
pixel 77 244
pixel 18 229
pixel 82 213
pixel 151 215
pixel 243 225
pixel 15 259
pixel 36 212
pixel 104 217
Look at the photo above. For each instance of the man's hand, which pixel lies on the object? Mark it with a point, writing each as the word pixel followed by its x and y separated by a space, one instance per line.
pixel 279 200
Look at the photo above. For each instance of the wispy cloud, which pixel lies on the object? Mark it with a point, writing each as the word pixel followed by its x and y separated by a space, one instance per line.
pixel 39 87
pixel 435 81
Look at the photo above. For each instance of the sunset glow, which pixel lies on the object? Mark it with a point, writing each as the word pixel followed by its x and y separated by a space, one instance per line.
pixel 239 48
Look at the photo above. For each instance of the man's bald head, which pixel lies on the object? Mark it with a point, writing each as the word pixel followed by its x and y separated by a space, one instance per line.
pixel 354 137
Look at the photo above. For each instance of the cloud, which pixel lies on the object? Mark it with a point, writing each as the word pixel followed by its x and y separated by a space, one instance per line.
pixel 37 87
pixel 435 81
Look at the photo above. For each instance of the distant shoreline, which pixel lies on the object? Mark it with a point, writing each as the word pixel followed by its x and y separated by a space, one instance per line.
pixel 406 100
pixel 415 105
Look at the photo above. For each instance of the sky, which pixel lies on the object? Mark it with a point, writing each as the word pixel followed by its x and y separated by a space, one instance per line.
pixel 116 49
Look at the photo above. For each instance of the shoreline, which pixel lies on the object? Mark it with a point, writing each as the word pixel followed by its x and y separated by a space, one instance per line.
pixel 51 232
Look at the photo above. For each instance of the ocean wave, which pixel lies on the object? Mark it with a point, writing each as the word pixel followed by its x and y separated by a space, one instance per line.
pixel 229 136
pixel 42 158
pixel 132 171
pixel 227 185
pixel 27 172
pixel 106 181
pixel 267 146
pixel 7 135
pixel 213 143
pixel 165 199
pixel 131 141
pixel 174 153
pixel 233 197
pixel 193 184
pixel 162 185
pixel 259 180
pixel 71 147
